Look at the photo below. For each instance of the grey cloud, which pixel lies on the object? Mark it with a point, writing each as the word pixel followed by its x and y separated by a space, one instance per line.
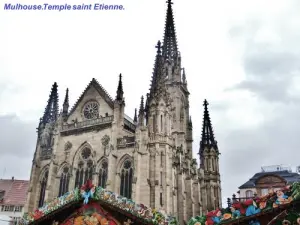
pixel 269 66
pixel 265 63
pixel 268 74
pixel 17 138
pixel 244 151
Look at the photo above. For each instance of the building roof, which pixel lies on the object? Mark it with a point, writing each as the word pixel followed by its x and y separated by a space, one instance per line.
pixel 289 177
pixel 15 191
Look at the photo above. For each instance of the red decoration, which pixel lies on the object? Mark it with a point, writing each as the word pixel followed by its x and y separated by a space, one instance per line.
pixel 87 186
pixel 37 214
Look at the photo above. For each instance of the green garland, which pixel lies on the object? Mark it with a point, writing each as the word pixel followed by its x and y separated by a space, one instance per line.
pixel 102 195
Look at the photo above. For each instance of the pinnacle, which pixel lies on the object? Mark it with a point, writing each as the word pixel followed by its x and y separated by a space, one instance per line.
pixel 208 139
pixel 135 115
pixel 51 110
pixel 120 89
pixel 141 111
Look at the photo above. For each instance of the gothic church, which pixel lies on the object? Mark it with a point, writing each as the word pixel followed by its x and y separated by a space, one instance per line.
pixel 148 158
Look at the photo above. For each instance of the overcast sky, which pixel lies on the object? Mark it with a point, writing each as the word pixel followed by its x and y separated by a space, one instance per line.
pixel 241 55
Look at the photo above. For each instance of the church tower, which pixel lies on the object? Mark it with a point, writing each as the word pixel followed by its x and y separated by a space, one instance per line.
pixel 173 179
pixel 209 165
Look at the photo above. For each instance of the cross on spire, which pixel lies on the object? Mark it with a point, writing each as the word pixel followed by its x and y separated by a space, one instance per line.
pixel 158 46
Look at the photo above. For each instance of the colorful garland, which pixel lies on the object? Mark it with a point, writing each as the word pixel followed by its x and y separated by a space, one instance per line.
pixel 89 192
pixel 251 207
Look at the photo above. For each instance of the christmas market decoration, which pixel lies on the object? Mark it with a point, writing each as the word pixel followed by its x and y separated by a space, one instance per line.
pixel 91 212
pixel 252 210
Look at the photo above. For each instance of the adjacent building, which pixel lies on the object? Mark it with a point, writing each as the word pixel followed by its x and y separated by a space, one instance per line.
pixel 271 177
pixel 148 158
pixel 13 197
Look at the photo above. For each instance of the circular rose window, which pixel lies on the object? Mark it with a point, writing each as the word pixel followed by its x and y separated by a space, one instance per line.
pixel 91 110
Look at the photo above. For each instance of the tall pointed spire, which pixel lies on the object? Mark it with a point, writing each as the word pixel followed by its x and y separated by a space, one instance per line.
pixel 120 89
pixel 157 75
pixel 66 103
pixel 51 110
pixel 208 139
pixel 170 41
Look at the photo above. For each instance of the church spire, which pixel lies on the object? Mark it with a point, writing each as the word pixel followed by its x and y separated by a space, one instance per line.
pixel 156 76
pixel 208 139
pixel 66 103
pixel 51 110
pixel 120 89
pixel 170 41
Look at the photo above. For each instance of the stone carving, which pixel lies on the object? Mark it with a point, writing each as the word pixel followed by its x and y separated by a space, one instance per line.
pixel 185 165
pixel 107 147
pixel 105 140
pixel 46 137
pixel 67 154
pixel 68 146
pixel 194 167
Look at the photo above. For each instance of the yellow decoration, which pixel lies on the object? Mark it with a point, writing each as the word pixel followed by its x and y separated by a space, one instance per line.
pixel 226 216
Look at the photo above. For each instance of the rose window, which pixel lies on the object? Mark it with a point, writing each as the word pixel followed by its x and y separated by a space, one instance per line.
pixel 91 110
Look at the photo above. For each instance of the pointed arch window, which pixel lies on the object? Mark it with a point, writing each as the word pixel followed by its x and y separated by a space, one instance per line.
pixel 64 182
pixel 103 174
pixel 213 164
pixel 43 185
pixel 126 179
pixel 85 167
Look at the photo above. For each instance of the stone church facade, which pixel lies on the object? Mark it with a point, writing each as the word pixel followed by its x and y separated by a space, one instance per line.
pixel 148 158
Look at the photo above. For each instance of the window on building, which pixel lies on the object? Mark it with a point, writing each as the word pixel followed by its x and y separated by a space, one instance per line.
pixel 2 195
pixel 126 179
pixel 161 199
pixel 213 164
pixel 249 194
pixel 103 173
pixel 8 208
pixel 18 208
pixel 64 181
pixel 264 191
pixel 85 168
pixel 43 185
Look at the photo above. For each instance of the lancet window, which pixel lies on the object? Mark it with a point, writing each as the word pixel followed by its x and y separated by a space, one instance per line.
pixel 84 168
pixel 126 179
pixel 64 181
pixel 43 185
pixel 103 173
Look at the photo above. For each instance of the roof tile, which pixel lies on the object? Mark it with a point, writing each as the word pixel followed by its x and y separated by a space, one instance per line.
pixel 15 191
